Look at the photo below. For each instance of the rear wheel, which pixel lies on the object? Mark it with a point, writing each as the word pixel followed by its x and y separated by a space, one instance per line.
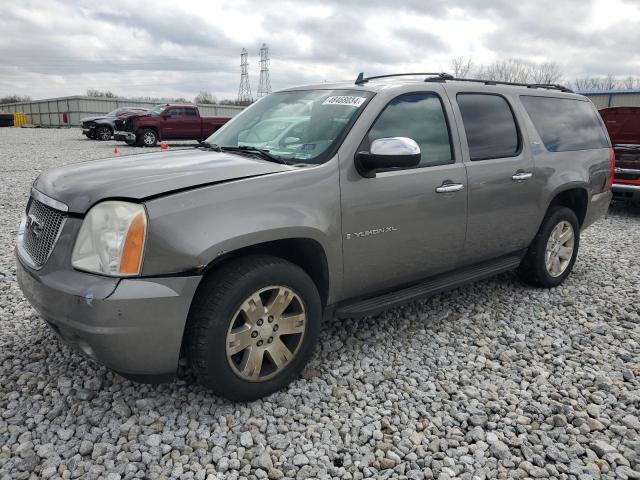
pixel 553 252
pixel 253 327
pixel 148 137
pixel 103 133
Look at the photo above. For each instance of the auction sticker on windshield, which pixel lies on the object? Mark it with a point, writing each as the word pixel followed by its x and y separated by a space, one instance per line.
pixel 348 100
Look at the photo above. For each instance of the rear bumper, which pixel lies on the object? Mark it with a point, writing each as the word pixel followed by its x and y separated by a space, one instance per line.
pixel 624 187
pixel 626 191
pixel 133 326
pixel 123 136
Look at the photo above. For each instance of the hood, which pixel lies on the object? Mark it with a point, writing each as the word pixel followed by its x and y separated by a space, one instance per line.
pixel 137 177
pixel 92 119
pixel 133 114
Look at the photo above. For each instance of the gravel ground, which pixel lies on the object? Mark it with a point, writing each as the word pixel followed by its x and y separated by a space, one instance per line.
pixel 495 380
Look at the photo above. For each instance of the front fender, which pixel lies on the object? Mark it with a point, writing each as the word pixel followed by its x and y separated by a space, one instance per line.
pixel 190 229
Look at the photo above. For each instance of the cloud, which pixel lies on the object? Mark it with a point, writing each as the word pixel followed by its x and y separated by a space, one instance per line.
pixel 53 48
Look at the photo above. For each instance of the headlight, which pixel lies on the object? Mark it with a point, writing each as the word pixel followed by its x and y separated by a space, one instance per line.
pixel 111 239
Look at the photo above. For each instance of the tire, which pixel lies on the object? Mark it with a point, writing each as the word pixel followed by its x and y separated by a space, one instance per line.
pixel 103 133
pixel 148 137
pixel 534 268
pixel 91 135
pixel 220 306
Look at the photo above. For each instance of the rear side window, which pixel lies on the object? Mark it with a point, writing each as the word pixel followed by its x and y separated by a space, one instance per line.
pixel 565 124
pixel 191 112
pixel 421 117
pixel 490 126
pixel 175 112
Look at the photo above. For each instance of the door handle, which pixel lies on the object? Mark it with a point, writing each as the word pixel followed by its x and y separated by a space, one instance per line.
pixel 449 187
pixel 521 176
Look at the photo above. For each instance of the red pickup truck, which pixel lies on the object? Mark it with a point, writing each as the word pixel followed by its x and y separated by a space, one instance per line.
pixel 623 125
pixel 166 122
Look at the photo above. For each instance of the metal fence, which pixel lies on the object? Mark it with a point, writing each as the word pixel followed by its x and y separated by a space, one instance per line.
pixel 67 111
pixel 614 98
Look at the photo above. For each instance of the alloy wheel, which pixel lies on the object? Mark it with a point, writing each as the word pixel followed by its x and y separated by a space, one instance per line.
pixel 149 138
pixel 559 250
pixel 265 333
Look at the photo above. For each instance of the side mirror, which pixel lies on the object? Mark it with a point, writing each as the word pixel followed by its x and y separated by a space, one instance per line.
pixel 388 153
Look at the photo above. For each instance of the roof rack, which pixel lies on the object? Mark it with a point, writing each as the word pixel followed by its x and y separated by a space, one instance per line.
pixel 362 79
pixel 444 77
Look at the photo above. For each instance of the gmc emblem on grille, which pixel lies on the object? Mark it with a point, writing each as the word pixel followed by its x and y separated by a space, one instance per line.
pixel 34 226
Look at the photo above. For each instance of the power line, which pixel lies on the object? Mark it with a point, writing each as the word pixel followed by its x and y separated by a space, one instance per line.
pixel 264 87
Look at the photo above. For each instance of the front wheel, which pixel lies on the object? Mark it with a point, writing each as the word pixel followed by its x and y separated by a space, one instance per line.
pixel 253 327
pixel 103 133
pixel 148 137
pixel 553 252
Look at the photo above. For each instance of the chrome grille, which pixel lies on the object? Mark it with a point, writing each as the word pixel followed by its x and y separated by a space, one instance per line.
pixel 43 225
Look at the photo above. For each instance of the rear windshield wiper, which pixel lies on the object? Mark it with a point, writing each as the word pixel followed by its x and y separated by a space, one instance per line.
pixel 262 152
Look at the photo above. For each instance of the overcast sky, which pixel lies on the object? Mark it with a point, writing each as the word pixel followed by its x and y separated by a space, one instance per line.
pixel 159 48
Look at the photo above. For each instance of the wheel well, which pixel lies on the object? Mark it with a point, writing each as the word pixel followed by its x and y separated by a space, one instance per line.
pixel 155 129
pixel 306 253
pixel 576 199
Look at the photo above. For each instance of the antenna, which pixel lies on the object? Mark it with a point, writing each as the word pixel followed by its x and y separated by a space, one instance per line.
pixel 244 91
pixel 264 87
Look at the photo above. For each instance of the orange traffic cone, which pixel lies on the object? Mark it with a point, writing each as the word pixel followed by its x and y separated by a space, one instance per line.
pixel 116 152
pixel 164 146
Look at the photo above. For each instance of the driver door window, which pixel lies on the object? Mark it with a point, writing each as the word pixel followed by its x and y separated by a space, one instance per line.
pixel 421 117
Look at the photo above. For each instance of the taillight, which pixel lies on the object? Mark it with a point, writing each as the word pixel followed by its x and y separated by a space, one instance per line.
pixel 612 167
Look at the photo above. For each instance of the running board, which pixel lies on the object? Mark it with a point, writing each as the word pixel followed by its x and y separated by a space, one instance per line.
pixel 427 288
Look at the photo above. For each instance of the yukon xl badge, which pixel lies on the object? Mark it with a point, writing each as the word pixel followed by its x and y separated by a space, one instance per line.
pixel 368 233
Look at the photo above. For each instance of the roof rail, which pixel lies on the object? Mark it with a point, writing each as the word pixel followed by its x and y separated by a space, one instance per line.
pixel 550 86
pixel 362 79
pixel 444 77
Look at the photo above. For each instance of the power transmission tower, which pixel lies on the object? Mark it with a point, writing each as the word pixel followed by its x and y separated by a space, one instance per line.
pixel 264 87
pixel 244 92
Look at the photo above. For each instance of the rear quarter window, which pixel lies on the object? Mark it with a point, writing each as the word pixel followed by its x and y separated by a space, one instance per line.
pixel 565 124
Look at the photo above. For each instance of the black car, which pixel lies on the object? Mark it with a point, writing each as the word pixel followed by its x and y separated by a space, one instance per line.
pixel 102 127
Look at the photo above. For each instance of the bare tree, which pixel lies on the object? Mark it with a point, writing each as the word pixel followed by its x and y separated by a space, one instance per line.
pixel 511 70
pixel 92 92
pixel 545 72
pixel 608 82
pixel 461 66
pixel 15 98
pixel 629 83
pixel 205 98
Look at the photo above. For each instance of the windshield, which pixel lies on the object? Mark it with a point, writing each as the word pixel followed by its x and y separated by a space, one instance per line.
pixel 157 110
pixel 300 126
pixel 113 113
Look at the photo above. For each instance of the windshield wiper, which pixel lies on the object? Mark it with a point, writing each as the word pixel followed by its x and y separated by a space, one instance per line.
pixel 210 146
pixel 264 153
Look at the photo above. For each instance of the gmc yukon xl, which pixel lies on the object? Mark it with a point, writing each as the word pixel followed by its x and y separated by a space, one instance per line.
pixel 325 200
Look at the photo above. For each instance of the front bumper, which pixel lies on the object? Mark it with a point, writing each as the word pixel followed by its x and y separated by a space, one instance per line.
pixel 133 326
pixel 122 135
